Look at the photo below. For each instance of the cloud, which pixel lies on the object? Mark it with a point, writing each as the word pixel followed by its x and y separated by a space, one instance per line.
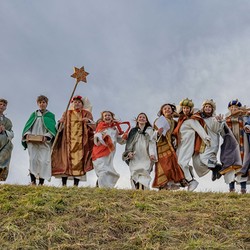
pixel 140 54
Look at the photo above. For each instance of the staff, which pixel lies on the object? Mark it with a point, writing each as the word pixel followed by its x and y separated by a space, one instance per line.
pixel 79 75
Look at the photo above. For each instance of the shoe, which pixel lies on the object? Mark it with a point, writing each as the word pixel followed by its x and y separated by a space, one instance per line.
pixel 214 175
pixel 231 190
pixel 243 191
pixel 216 172
pixel 192 185
pixel 218 169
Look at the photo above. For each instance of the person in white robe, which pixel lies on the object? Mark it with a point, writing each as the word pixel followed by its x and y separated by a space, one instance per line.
pixel 106 136
pixel 207 160
pixel 140 152
pixel 191 137
pixel 37 136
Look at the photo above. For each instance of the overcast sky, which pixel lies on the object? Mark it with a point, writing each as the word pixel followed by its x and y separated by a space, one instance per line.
pixel 139 53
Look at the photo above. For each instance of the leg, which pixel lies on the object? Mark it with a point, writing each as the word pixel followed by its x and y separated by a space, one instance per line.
pixel 76 182
pixel 41 181
pixel 64 181
pixel 243 186
pixel 232 186
pixel 33 179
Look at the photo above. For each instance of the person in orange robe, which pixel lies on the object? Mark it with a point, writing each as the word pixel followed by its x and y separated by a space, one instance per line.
pixel 71 155
pixel 168 173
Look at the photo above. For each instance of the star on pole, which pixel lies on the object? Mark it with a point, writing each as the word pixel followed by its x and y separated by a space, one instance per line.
pixel 80 74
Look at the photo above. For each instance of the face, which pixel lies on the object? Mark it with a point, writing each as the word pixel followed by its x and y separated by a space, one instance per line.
pixel 141 119
pixel 42 105
pixel 107 117
pixel 77 104
pixel 233 108
pixel 208 109
pixel 186 110
pixel 167 111
pixel 3 107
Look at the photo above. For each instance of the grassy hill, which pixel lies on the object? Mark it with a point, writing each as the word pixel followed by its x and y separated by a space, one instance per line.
pixel 91 218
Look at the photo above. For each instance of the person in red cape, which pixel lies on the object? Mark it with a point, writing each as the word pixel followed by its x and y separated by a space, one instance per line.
pixel 71 155
pixel 107 134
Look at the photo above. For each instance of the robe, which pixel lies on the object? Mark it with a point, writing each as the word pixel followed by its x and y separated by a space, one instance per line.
pixel 6 147
pixel 40 152
pixel 71 154
pixel 167 169
pixel 206 160
pixel 236 124
pixel 103 155
pixel 143 145
pixel 187 133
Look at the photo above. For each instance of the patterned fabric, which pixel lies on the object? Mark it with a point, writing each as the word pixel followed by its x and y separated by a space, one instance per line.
pixel 167 168
pixel 71 155
pixel 236 124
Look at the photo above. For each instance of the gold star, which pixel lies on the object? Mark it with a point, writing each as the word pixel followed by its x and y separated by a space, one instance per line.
pixel 80 74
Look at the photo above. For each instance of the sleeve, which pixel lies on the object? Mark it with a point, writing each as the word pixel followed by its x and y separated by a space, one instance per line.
pixel 196 126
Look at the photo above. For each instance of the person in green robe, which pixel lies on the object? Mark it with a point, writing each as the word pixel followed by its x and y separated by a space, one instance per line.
pixel 38 134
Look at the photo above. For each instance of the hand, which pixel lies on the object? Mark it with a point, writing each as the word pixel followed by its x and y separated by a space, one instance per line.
pixel 131 155
pixel 219 117
pixel 160 130
pixel 125 136
pixel 247 128
pixel 152 158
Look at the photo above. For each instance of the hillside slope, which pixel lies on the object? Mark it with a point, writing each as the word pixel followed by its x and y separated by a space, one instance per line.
pixel 91 218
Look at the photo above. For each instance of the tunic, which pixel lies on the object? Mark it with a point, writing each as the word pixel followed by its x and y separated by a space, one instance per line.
pixel 142 144
pixel 5 147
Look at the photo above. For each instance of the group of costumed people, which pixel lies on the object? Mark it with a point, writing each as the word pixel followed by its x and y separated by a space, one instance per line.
pixel 74 145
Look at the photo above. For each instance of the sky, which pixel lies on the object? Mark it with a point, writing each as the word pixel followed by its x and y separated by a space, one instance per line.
pixel 139 54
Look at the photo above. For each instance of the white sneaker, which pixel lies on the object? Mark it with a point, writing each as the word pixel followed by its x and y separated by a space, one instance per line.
pixel 192 185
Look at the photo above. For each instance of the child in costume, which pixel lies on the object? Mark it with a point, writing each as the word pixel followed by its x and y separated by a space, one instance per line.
pixel 205 161
pixel 107 134
pixel 140 152
pixel 71 155
pixel 38 134
pixel 168 173
pixel 6 135
pixel 191 138
pixel 237 120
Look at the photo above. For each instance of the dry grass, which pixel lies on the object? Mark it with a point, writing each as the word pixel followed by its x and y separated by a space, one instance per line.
pixel 90 218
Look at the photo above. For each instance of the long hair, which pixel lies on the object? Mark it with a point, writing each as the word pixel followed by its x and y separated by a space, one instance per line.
pixel 148 124
pixel 101 118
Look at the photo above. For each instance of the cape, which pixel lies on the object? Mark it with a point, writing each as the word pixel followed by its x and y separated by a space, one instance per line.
pixel 103 150
pixel 230 152
pixel 49 122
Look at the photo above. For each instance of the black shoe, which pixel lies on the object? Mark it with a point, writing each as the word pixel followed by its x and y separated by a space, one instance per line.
pixel 218 169
pixel 216 172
